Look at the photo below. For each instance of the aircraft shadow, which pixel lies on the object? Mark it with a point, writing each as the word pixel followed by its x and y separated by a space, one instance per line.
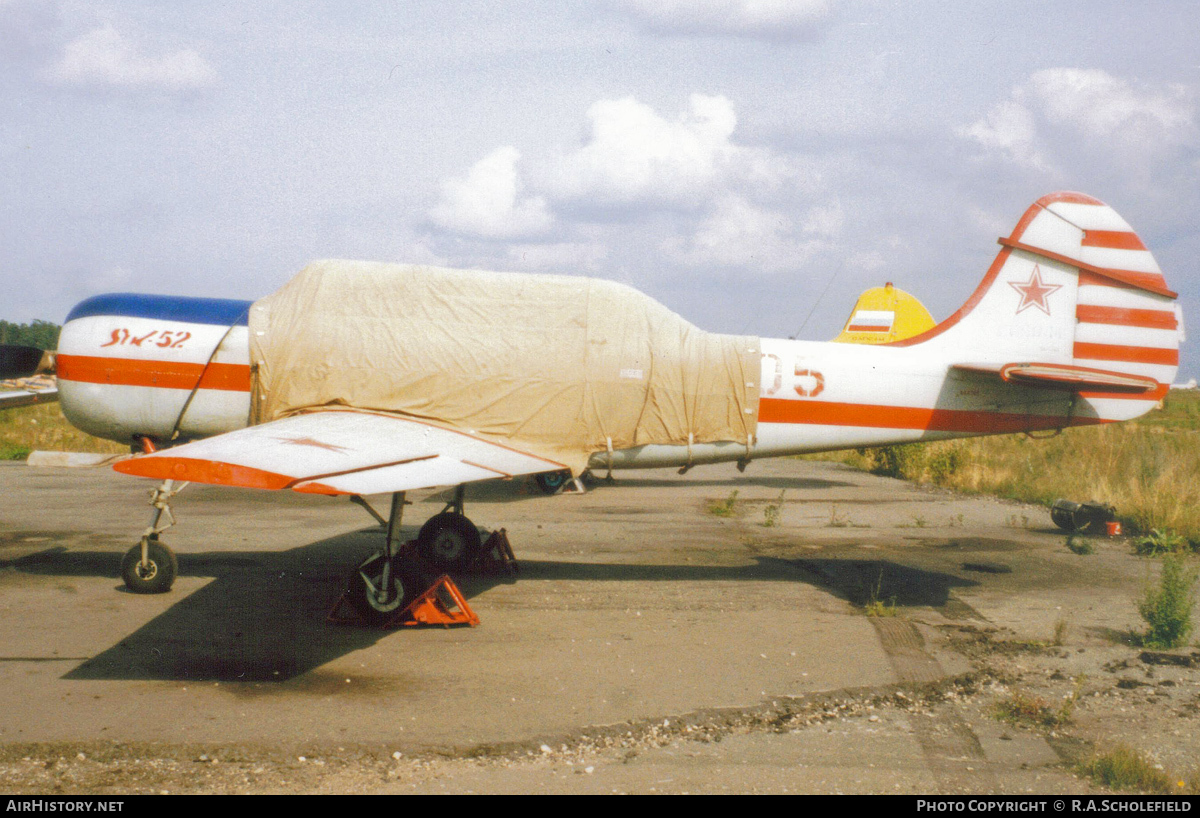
pixel 857 581
pixel 264 617
pixel 510 491
pixel 733 481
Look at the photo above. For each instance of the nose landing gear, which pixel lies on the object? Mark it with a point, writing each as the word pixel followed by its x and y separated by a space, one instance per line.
pixel 150 567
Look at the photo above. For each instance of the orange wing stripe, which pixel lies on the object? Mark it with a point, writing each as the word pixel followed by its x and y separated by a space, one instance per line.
pixel 203 471
pixel 160 374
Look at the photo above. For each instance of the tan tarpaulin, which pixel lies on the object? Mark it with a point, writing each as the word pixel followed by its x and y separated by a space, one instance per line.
pixel 555 365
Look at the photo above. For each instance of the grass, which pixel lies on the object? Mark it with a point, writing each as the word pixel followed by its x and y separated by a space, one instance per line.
pixel 1146 468
pixel 724 508
pixel 772 511
pixel 1167 608
pixel 1022 710
pixel 1080 545
pixel 1157 543
pixel 44 427
pixel 1125 769
pixel 876 605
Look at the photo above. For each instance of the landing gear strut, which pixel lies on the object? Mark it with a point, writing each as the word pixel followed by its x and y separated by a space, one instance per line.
pixel 389 580
pixel 150 567
pixel 380 586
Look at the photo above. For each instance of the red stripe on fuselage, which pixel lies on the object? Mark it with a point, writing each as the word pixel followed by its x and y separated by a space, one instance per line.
pixel 160 374
pixel 829 413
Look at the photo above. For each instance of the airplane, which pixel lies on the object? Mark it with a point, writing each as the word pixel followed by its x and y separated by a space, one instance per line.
pixel 362 378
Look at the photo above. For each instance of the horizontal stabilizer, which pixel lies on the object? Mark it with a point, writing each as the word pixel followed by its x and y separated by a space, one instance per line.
pixel 1062 376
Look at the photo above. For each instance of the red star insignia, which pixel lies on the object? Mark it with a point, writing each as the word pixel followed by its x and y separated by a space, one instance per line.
pixel 1034 291
pixel 308 441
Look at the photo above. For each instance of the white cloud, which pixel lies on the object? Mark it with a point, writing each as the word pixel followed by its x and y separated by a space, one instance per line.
pixel 634 155
pixel 487 201
pixel 1104 106
pixel 1061 109
pixel 739 234
pixel 1008 129
pixel 768 19
pixel 104 56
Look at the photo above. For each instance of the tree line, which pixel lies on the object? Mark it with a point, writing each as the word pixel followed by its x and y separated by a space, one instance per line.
pixel 40 334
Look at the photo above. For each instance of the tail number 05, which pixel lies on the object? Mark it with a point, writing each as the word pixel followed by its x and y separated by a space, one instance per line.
pixel 808 382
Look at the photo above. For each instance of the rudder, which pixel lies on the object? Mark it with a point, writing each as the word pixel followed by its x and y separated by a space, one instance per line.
pixel 1074 288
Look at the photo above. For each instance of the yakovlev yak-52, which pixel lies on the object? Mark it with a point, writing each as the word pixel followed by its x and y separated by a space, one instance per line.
pixel 363 378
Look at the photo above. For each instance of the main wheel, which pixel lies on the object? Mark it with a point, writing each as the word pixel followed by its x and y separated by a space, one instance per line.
pixel 449 541
pixel 551 482
pixel 157 575
pixel 375 601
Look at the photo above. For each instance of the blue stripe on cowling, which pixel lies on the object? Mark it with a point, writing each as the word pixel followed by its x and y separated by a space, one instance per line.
pixel 220 311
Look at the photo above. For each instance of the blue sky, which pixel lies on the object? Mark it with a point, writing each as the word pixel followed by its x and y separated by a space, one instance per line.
pixel 728 157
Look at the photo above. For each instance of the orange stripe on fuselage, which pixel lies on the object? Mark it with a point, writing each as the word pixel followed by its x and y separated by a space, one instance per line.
pixel 829 413
pixel 1149 319
pixel 160 374
pixel 1112 239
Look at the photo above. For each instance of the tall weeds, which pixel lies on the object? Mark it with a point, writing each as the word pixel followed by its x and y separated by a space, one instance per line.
pixel 1148 469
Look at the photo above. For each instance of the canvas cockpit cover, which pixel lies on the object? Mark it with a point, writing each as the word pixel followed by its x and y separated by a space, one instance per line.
pixel 559 366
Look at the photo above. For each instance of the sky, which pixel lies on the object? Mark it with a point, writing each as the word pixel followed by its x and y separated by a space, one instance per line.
pixel 753 164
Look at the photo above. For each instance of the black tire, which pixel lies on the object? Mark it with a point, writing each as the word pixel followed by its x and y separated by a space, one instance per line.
pixel 158 576
pixel 449 542
pixel 551 482
pixel 363 590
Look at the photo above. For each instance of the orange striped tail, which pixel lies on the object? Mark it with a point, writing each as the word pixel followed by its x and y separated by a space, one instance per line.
pixel 1126 318
pixel 1074 302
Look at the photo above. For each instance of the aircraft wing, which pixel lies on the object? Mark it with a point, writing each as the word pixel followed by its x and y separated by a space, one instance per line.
pixel 27 397
pixel 338 452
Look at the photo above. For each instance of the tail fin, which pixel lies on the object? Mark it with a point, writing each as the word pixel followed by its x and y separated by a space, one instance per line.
pixel 1073 291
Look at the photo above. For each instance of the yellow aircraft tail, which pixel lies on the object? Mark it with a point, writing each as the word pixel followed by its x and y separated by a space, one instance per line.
pixel 884 314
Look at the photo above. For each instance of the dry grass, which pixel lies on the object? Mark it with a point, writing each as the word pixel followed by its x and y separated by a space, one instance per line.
pixel 723 508
pixel 1147 468
pixel 1126 770
pixel 1023 710
pixel 44 427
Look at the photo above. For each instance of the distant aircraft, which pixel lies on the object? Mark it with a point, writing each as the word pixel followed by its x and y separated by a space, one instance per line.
pixel 360 378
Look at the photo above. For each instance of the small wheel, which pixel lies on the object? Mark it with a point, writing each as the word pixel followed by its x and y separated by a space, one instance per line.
pixel 449 541
pixel 157 576
pixel 374 602
pixel 551 482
